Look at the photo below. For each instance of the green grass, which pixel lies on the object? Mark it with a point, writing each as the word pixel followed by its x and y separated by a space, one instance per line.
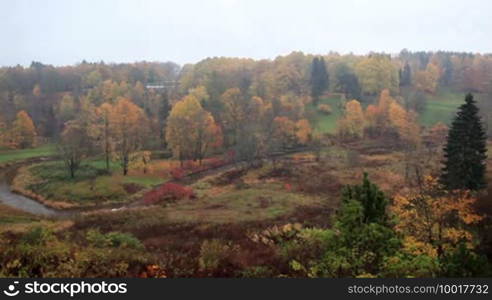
pixel 91 185
pixel 100 163
pixel 147 181
pixel 322 122
pixel 441 107
pixel 7 156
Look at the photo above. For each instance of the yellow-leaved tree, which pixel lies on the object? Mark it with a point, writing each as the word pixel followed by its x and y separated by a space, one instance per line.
pixel 436 217
pixel 353 123
pixel 129 128
pixel 191 131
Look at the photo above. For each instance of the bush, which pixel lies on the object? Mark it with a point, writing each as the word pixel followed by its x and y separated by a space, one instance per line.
pixel 464 262
pixel 168 192
pixel 37 236
pixel 325 108
pixel 113 239
pixel 214 255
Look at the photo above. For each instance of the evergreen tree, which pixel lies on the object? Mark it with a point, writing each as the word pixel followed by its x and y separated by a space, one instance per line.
pixel 406 75
pixel 319 78
pixel 371 198
pixel 348 83
pixel 465 152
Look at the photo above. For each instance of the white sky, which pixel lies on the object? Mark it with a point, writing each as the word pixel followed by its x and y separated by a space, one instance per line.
pixel 64 32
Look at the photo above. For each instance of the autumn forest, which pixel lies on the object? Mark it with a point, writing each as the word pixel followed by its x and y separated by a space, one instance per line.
pixel 333 165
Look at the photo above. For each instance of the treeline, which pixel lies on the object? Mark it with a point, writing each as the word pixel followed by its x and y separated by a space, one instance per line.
pixel 247 101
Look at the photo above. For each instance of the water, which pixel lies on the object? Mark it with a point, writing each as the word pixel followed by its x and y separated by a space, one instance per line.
pixel 21 202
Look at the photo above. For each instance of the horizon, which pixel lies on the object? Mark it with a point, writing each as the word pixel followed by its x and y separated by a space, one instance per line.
pixel 240 57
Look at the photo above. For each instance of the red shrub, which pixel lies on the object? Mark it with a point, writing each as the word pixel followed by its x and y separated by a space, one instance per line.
pixel 168 192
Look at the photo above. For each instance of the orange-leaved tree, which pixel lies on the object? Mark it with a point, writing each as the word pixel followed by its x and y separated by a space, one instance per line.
pixel 23 132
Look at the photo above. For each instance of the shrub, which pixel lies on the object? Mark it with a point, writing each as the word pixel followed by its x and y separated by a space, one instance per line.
pixel 325 108
pixel 37 236
pixel 168 192
pixel 123 240
pixel 214 255
pixel 112 239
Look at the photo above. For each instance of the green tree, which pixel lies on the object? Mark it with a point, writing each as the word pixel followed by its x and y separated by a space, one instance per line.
pixel 319 78
pixel 362 238
pixel 347 81
pixel 371 198
pixel 466 151
pixel 74 146
pixel 406 75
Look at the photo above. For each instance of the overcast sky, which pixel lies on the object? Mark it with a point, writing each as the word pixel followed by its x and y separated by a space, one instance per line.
pixel 62 32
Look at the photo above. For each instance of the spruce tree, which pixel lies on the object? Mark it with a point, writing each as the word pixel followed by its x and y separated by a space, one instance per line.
pixel 372 199
pixel 465 151
pixel 319 78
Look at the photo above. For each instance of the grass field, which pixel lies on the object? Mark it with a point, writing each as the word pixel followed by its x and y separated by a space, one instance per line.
pixel 322 122
pixel 441 107
pixel 10 155
pixel 93 184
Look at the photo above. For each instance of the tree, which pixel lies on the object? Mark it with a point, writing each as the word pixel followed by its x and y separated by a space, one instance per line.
pixel 66 109
pixel 104 117
pixel 74 145
pixel 406 125
pixel 284 133
pixel 406 75
pixel 372 199
pixel 129 127
pixel 353 123
pixel 428 80
pixel 466 150
pixel 191 131
pixel 319 78
pixel 362 237
pixel 378 117
pixel 376 72
pixel 234 112
pixel 303 131
pixel 347 82
pixel 23 132
pixel 434 216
